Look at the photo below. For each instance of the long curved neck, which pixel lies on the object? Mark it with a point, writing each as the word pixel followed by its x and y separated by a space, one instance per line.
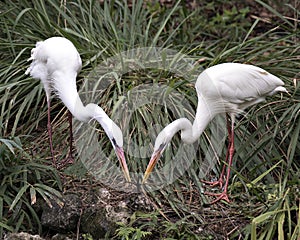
pixel 111 129
pixel 65 87
pixel 191 132
pixel 85 113
pixel 78 110
pixel 203 116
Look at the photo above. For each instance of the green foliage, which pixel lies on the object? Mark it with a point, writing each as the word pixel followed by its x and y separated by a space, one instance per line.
pixel 87 236
pixel 128 233
pixel 278 220
pixel 151 226
pixel 23 181
pixel 265 178
pixel 135 231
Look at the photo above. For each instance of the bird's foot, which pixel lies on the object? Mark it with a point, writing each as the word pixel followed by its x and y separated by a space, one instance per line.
pixel 214 183
pixel 220 196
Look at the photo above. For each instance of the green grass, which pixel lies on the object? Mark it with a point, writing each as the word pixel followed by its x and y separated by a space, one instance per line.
pixel 264 185
pixel 24 179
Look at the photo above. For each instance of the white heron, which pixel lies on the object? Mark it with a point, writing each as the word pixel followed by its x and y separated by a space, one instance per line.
pixel 224 88
pixel 56 62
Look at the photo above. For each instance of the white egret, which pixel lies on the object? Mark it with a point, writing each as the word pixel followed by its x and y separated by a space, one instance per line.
pixel 224 88
pixel 56 63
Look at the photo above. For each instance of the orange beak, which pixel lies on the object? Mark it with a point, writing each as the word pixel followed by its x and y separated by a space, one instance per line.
pixel 154 158
pixel 122 160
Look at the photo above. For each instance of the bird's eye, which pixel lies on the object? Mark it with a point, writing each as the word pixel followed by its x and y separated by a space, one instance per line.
pixel 114 141
pixel 162 146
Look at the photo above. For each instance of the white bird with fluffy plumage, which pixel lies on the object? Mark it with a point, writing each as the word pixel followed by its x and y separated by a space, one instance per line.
pixel 56 62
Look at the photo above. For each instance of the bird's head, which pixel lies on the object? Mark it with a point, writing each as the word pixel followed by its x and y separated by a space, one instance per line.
pixel 163 139
pixel 113 132
pixel 161 142
pixel 116 138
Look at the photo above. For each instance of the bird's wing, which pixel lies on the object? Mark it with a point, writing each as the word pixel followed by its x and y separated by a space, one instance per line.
pixel 238 83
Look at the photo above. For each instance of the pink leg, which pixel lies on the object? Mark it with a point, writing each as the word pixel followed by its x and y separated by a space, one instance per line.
pixel 50 134
pixel 220 181
pixel 224 194
pixel 69 159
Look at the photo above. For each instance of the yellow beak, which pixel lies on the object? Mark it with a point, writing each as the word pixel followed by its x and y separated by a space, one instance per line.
pixel 154 158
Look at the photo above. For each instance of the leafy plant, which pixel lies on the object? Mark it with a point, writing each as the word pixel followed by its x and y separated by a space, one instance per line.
pixel 137 231
pixel 23 181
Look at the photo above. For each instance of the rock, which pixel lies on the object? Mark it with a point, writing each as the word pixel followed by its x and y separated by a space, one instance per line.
pixel 140 202
pixel 101 222
pixel 94 222
pixel 95 210
pixel 62 219
pixel 22 236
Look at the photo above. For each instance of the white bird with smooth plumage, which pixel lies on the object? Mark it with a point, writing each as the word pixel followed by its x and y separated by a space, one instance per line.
pixel 224 88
